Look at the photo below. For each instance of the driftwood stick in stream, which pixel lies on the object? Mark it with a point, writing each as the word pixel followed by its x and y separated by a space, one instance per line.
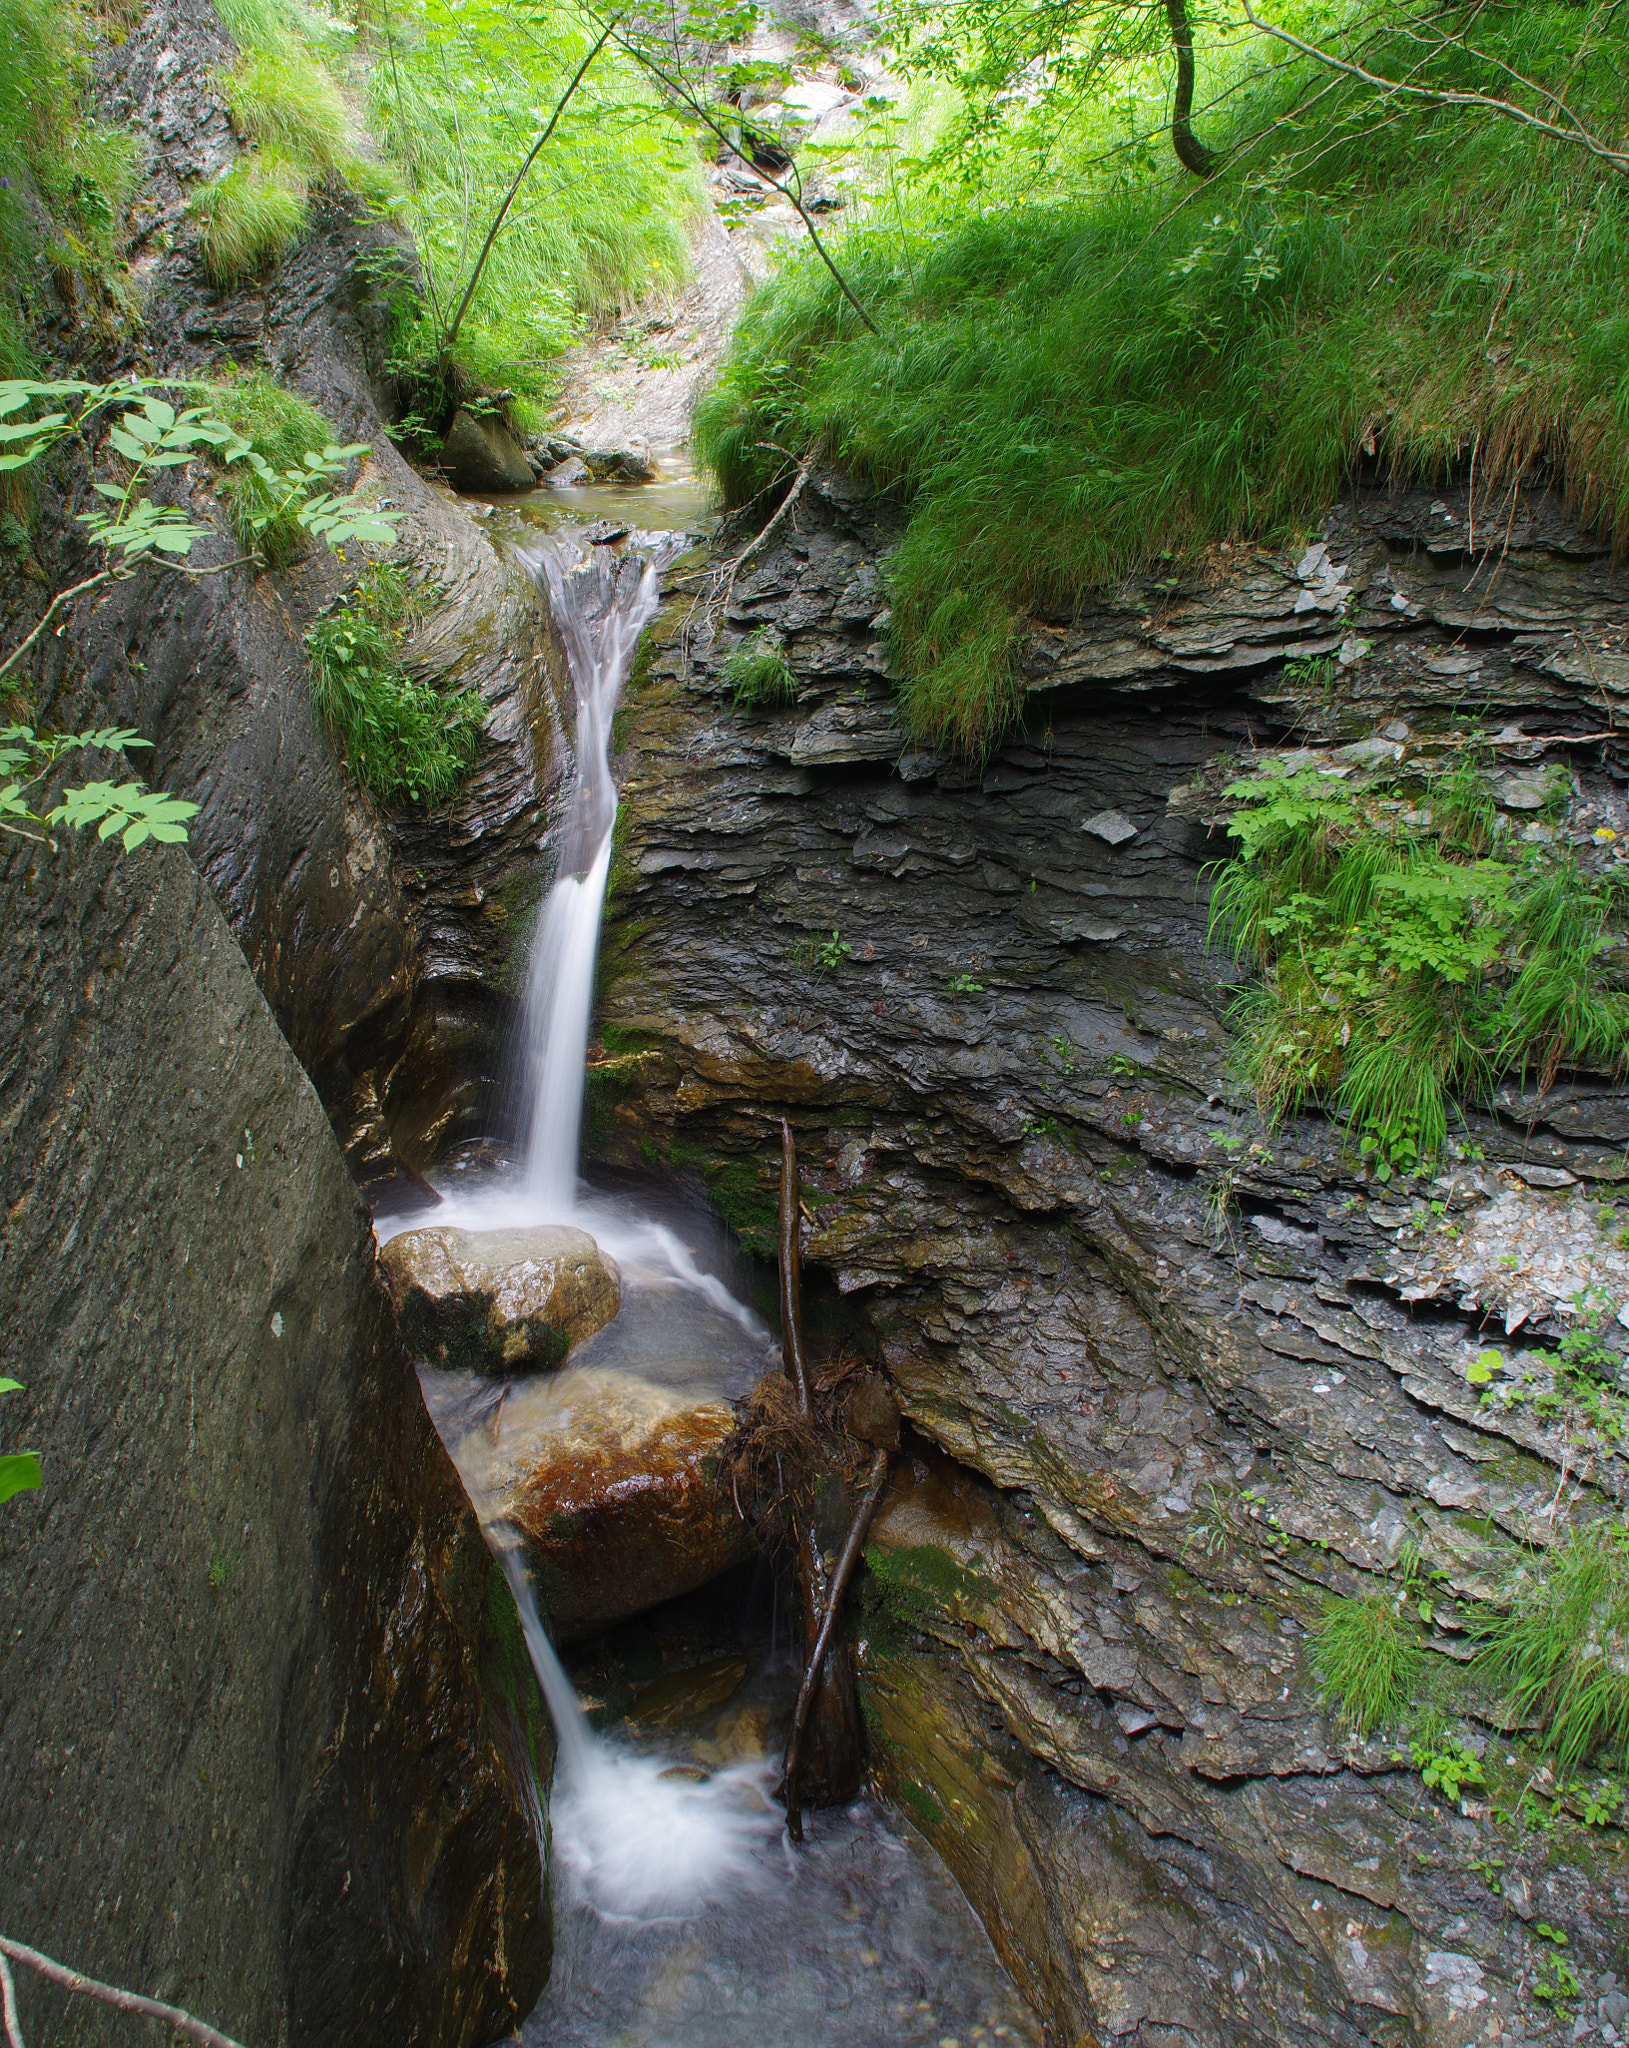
pixel 852 1548
pixel 109 1994
pixel 797 1366
pixel 8 1991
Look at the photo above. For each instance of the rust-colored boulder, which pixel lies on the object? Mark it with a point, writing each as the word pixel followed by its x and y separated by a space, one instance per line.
pixel 614 1484
pixel 500 1301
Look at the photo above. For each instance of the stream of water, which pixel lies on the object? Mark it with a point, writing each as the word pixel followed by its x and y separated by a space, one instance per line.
pixel 684 1918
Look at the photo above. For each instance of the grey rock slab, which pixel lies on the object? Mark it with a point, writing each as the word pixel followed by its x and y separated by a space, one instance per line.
pixel 500 1301
pixel 1112 826
pixel 480 453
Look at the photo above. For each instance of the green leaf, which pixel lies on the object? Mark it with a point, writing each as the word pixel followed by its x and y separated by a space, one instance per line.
pixel 11 1386
pixel 19 1471
pixel 1481 1369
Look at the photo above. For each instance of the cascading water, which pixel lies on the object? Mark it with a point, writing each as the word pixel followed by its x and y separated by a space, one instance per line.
pixel 853 1940
pixel 601 604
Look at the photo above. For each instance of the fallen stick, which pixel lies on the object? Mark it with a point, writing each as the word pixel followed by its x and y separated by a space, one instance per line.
pixel 797 1366
pixel 852 1547
pixel 109 1994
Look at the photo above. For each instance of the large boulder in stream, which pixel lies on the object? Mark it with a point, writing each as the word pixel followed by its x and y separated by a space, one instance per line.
pixel 615 1486
pixel 500 1301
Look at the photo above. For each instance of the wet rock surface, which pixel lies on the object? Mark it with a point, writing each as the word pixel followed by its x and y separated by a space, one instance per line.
pixel 1179 1358
pixel 612 1485
pixel 382 935
pixel 499 1301
pixel 267 1731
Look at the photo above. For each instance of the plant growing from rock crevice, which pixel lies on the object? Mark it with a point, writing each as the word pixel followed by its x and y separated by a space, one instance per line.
pixel 398 736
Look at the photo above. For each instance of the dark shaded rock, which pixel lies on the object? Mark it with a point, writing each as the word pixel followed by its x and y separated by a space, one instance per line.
pixel 633 465
pixel 480 453
pixel 1175 1348
pixel 500 1301
pixel 265 1729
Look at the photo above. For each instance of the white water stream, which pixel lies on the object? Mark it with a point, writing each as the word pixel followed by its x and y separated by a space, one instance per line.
pixel 683 1919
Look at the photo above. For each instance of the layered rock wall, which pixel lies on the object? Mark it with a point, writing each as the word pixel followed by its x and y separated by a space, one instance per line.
pixel 1176 1376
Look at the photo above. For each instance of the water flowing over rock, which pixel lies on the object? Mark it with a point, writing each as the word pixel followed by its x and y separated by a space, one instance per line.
pixel 500 1301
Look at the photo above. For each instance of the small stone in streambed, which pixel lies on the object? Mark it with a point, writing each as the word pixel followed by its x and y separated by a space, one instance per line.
pixel 500 1301
pixel 685 1696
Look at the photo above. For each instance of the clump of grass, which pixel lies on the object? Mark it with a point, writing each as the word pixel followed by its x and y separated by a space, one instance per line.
pixel 757 672
pixel 283 99
pixel 1067 389
pixel 400 738
pixel 1368 1658
pixel 1408 953
pixel 1562 1646
pixel 250 216
pixel 283 427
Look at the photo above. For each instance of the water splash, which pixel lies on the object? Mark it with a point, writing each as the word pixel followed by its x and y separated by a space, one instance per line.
pixel 635 1837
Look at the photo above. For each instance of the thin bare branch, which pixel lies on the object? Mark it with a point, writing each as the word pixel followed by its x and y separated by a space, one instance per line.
pixel 793 197
pixel 519 179
pixel 110 1994
pixel 1443 96
pixel 797 1366
pixel 8 1992
pixel 62 597
pixel 852 1548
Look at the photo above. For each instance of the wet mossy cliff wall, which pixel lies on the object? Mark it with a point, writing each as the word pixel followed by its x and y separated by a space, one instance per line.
pixel 1174 1376
pixel 263 1739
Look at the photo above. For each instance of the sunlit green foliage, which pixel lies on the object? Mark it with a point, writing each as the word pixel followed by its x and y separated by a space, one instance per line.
pixel 249 216
pixel 19 1470
pixel 458 93
pixel 1069 387
pixel 1561 1647
pixel 1409 951
pixel 400 738
pixel 279 425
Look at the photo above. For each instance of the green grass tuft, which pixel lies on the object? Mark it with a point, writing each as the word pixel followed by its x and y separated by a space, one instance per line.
pixel 283 427
pixel 286 102
pixel 1562 1648
pixel 401 738
pixel 1368 1657
pixel 1066 389
pixel 758 673
pixel 250 216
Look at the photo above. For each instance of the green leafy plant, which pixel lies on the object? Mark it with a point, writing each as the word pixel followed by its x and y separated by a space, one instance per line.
pixel 146 435
pixel 1406 957
pixel 283 429
pixel 1367 1656
pixel 401 738
pixel 1560 1645
pixel 251 215
pixel 1445 1765
pixel 758 673
pixel 19 1470
pixel 834 951
pixel 963 985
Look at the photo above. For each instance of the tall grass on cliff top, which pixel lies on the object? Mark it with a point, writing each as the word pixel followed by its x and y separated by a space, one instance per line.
pixel 1067 389
pixel 457 94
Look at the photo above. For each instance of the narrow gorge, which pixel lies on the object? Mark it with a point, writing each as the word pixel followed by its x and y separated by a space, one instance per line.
pixel 816 1258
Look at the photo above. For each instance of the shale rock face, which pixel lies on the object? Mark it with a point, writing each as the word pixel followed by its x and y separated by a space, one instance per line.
pixel 267 1730
pixel 1167 1378
pixel 500 1301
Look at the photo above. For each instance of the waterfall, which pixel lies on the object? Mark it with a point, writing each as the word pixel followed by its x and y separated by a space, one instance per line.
pixel 601 605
